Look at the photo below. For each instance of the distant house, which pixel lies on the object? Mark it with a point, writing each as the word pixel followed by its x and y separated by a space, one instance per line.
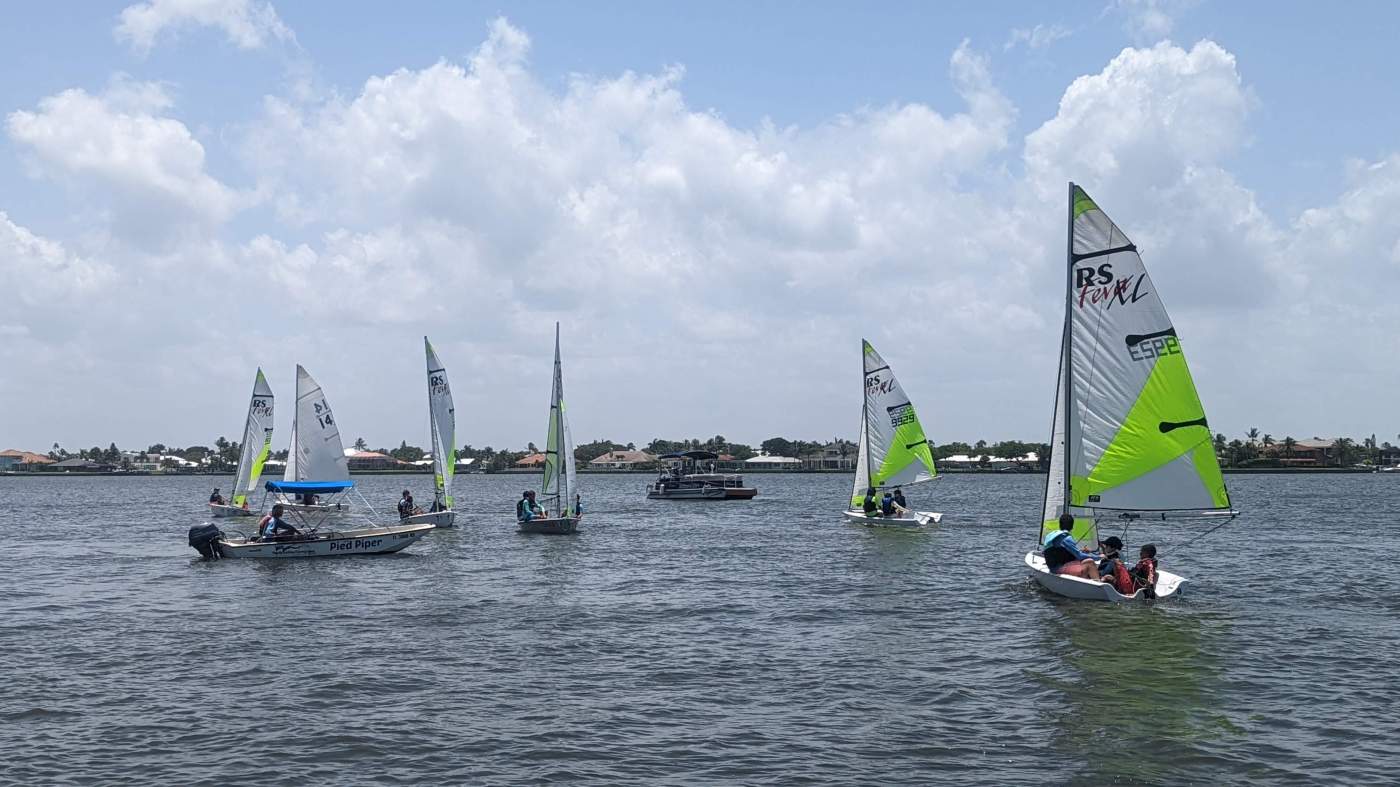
pixel 830 457
pixel 369 461
pixel 15 459
pixel 532 460
pixel 81 465
pixel 1312 452
pixel 621 460
pixel 465 465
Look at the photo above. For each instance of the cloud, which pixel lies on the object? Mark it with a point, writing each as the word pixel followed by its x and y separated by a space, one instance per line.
pixel 1150 21
pixel 248 24
pixel 709 276
pixel 143 167
pixel 1038 37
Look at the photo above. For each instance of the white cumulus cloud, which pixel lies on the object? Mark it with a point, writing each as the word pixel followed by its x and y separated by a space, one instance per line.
pixel 248 24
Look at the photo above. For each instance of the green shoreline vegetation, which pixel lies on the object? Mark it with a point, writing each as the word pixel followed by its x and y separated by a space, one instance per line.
pixel 1255 452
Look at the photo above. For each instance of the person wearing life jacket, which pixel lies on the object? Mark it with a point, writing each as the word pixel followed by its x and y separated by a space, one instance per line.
pixel 870 506
pixel 899 500
pixel 887 505
pixel 1063 556
pixel 272 528
pixel 1111 567
pixel 215 498
pixel 1144 574
pixel 406 506
pixel 526 508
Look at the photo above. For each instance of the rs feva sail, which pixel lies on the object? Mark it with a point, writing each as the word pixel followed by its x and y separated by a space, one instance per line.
pixel 893 448
pixel 559 470
pixel 257 441
pixel 1130 435
pixel 442 422
pixel 316 453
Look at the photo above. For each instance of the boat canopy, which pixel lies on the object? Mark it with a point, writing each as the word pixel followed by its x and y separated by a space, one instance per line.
pixel 697 455
pixel 309 486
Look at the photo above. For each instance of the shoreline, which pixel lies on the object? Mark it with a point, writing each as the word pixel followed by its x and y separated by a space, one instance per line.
pixel 530 472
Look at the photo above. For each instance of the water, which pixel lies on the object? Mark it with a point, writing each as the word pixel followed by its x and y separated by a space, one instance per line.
pixel 695 643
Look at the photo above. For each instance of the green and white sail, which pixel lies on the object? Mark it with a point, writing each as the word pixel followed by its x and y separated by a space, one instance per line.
pixel 257 441
pixel 1130 435
pixel 316 453
pixel 560 474
pixel 893 448
pixel 442 422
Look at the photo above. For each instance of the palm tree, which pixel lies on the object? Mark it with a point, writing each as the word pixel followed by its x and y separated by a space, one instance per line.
pixel 1219 446
pixel 1288 445
pixel 1342 449
pixel 360 444
pixel 1267 441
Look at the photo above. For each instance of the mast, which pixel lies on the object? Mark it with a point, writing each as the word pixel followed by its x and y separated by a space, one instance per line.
pixel 865 415
pixel 438 481
pixel 1068 365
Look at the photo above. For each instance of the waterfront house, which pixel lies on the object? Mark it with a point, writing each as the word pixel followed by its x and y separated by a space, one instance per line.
pixel 15 459
pixel 81 465
pixel 530 461
pixel 833 456
pixel 621 460
pixel 370 461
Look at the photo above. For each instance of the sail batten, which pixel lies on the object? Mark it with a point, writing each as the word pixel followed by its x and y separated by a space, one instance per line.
pixel 893 450
pixel 442 426
pixel 1130 435
pixel 257 441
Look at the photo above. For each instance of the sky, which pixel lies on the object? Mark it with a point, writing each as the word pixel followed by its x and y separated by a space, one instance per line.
pixel 716 201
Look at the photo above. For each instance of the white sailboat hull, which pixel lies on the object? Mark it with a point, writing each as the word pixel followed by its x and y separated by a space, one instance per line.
pixel 910 520
pixel 364 541
pixel 442 519
pixel 220 511
pixel 550 527
pixel 1168 584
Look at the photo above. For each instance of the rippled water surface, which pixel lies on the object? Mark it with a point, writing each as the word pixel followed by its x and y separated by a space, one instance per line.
pixel 696 643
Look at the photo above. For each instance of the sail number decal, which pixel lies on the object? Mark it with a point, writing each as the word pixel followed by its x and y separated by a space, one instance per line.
pixel 261 407
pixel 1100 286
pixel 901 414
pixel 874 386
pixel 323 414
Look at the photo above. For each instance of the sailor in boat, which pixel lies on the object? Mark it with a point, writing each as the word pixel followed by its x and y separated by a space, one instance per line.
pixel 1063 556
pixel 273 528
pixel 1144 574
pixel 1112 569
pixel 890 508
pixel 526 508
pixel 899 499
pixel 406 506
pixel 215 498
pixel 870 505
pixel 578 506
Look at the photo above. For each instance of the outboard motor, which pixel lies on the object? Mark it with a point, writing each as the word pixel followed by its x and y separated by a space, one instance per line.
pixel 205 539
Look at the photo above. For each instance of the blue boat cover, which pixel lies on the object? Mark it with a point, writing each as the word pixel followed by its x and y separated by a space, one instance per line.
pixel 309 486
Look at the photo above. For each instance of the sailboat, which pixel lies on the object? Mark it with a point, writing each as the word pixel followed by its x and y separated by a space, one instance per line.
pixel 315 466
pixel 253 452
pixel 442 423
pixel 316 453
pixel 558 489
pixel 893 449
pixel 1129 440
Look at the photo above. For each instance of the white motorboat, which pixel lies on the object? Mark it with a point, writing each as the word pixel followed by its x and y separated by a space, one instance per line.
pixel 894 451
pixel 559 487
pixel 442 425
pixel 1129 440
pixel 252 452
pixel 327 543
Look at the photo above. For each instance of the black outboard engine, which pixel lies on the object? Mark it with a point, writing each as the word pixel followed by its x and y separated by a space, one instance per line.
pixel 205 539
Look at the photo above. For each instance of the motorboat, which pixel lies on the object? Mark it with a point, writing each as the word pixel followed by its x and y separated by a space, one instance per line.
pixel 690 475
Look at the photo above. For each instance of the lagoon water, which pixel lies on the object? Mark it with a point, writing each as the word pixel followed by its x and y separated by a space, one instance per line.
pixel 696 643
